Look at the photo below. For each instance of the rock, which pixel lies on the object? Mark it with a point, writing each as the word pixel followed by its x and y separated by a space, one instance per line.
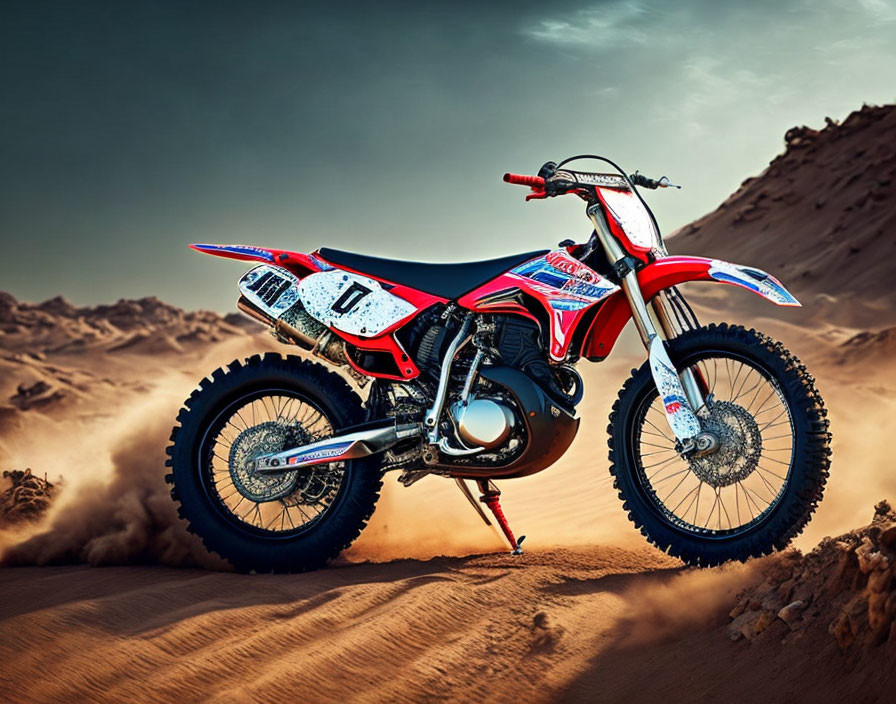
pixel 26 499
pixel 849 582
pixel 766 619
pixel 870 558
pixel 841 629
pixel 744 626
pixel 792 614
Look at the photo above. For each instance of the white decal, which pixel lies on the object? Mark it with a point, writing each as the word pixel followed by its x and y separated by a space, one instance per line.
pixel 755 280
pixel 272 288
pixel 351 303
pixel 681 418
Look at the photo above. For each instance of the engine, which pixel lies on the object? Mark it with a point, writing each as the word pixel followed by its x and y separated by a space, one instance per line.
pixel 483 415
pixel 513 340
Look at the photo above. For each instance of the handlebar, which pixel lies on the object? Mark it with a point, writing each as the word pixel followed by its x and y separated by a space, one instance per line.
pixel 531 181
pixel 556 184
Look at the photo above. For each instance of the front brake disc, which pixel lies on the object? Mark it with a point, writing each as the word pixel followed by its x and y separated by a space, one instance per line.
pixel 740 445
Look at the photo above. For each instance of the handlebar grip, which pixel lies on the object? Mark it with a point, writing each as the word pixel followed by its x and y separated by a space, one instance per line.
pixel 531 181
pixel 643 181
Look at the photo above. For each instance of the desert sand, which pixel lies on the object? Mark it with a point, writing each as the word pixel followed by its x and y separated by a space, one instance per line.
pixel 107 598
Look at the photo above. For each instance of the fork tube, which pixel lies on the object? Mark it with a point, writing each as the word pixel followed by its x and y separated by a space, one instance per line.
pixel 676 402
pixel 630 286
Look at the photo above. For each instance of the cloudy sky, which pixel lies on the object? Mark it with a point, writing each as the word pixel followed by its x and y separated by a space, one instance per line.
pixel 128 130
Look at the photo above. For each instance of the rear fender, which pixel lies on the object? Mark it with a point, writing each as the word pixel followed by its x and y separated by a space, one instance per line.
pixel 671 271
pixel 297 263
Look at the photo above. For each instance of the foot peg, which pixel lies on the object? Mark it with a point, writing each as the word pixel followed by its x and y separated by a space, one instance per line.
pixel 491 498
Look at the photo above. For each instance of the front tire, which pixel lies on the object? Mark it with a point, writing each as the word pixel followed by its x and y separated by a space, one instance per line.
pixel 346 494
pixel 791 499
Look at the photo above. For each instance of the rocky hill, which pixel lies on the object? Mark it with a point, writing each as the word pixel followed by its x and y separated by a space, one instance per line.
pixel 144 325
pixel 821 217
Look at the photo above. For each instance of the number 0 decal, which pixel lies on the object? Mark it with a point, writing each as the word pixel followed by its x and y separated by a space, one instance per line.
pixel 350 298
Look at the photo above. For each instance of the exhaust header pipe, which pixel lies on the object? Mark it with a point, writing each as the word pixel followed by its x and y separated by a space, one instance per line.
pixel 348 446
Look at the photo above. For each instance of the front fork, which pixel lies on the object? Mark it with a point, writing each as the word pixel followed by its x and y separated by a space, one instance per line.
pixel 680 392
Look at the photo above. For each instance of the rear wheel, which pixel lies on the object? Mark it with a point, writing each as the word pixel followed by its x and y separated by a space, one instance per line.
pixel 291 522
pixel 759 487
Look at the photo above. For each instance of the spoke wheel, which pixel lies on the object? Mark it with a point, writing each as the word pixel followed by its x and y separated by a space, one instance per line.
pixel 260 423
pixel 737 485
pixel 758 485
pixel 290 522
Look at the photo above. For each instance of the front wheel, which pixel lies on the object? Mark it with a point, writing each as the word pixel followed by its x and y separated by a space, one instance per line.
pixel 757 490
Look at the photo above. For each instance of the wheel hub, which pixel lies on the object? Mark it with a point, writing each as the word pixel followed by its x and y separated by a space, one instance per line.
pixel 738 442
pixel 250 444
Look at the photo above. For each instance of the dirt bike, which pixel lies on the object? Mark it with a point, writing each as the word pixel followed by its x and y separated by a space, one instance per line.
pixel 719 443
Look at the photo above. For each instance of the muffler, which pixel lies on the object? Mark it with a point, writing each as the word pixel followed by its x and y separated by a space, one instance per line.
pixel 356 441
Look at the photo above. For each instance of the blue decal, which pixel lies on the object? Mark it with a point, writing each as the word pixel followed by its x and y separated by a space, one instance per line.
pixel 674 403
pixel 739 281
pixel 539 270
pixel 244 249
pixel 568 304
pixel 754 280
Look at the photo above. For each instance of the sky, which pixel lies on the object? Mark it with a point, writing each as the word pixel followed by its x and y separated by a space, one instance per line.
pixel 128 130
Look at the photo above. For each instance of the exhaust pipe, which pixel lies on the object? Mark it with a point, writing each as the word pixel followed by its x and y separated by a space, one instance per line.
pixel 303 338
pixel 348 446
pixel 298 327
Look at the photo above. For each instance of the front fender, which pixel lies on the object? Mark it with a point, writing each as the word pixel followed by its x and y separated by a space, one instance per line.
pixel 671 271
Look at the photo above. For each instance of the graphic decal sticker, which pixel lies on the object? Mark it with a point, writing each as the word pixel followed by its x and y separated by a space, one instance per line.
pixel 244 249
pixel 673 403
pixel 321 453
pixel 755 280
pixel 271 288
pixel 682 421
pixel 628 210
pixel 568 286
pixel 352 303
pixel 321 264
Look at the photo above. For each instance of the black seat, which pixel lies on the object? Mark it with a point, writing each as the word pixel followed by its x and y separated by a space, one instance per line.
pixel 445 280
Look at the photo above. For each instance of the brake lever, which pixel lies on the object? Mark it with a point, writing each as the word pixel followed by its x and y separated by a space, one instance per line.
pixel 665 183
pixel 536 195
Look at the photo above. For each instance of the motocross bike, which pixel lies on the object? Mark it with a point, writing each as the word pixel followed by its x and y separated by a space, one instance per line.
pixel 719 443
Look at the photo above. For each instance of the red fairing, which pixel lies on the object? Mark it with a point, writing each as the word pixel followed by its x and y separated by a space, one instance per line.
pixel 616 312
pixel 565 287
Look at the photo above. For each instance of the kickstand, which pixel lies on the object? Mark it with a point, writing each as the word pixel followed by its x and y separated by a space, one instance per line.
pixel 491 498
pixel 465 490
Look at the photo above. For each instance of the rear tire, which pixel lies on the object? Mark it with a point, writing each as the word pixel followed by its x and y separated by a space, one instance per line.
pixel 809 464
pixel 245 547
